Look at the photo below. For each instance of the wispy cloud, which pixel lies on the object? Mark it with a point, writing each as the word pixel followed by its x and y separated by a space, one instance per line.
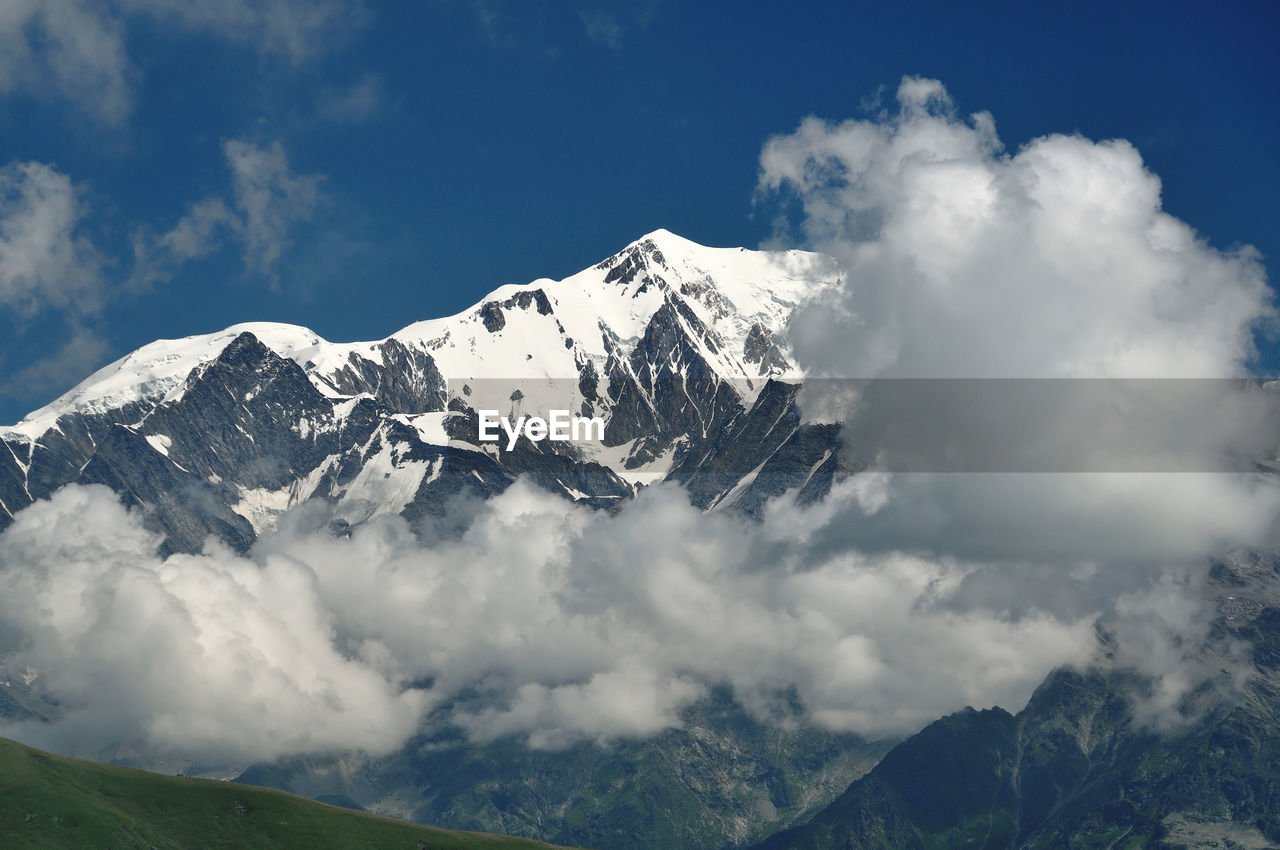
pixel 608 26
pixel 538 25
pixel 45 259
pixel 602 27
pixel 267 200
pixel 352 104
pixel 81 354
pixel 70 49
pixel 77 50
pixel 297 29
pixel 198 233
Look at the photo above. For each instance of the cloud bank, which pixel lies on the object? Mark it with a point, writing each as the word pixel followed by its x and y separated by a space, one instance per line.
pixel 568 623
pixel 543 620
pixel 211 656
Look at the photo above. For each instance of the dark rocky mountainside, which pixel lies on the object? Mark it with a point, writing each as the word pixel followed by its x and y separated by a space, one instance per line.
pixel 724 778
pixel 1079 768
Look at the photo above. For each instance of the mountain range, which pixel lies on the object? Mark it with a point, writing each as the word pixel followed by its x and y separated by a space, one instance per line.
pixel 678 348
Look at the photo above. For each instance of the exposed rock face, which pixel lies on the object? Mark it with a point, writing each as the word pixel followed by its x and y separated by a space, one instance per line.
pixel 406 380
pixel 761 453
pixel 760 349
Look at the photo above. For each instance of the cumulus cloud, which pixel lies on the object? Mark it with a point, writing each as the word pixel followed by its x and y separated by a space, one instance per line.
pixel 77 49
pixel 965 260
pixel 45 260
pixel 967 265
pixel 268 199
pixel 553 623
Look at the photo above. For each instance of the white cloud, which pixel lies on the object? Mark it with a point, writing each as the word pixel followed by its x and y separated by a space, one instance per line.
pixel 197 233
pixel 44 258
pixel 77 50
pixel 555 624
pixel 966 261
pixel 575 624
pixel 298 29
pixel 66 48
pixel 1168 637
pixel 206 656
pixel 629 700
pixel 963 260
pixel 268 200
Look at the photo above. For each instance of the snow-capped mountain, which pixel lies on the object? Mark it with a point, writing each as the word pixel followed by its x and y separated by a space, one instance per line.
pixel 680 349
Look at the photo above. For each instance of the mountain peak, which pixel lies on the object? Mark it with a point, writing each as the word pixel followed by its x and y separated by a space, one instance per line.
pixel 158 367
pixel 662 246
pixel 673 242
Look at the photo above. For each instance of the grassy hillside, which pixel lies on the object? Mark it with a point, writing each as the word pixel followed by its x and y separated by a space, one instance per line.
pixel 49 801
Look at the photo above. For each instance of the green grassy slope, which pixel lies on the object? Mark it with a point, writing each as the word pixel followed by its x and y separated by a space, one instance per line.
pixel 49 801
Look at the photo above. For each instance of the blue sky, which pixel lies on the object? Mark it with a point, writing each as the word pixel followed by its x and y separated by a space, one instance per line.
pixel 177 167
